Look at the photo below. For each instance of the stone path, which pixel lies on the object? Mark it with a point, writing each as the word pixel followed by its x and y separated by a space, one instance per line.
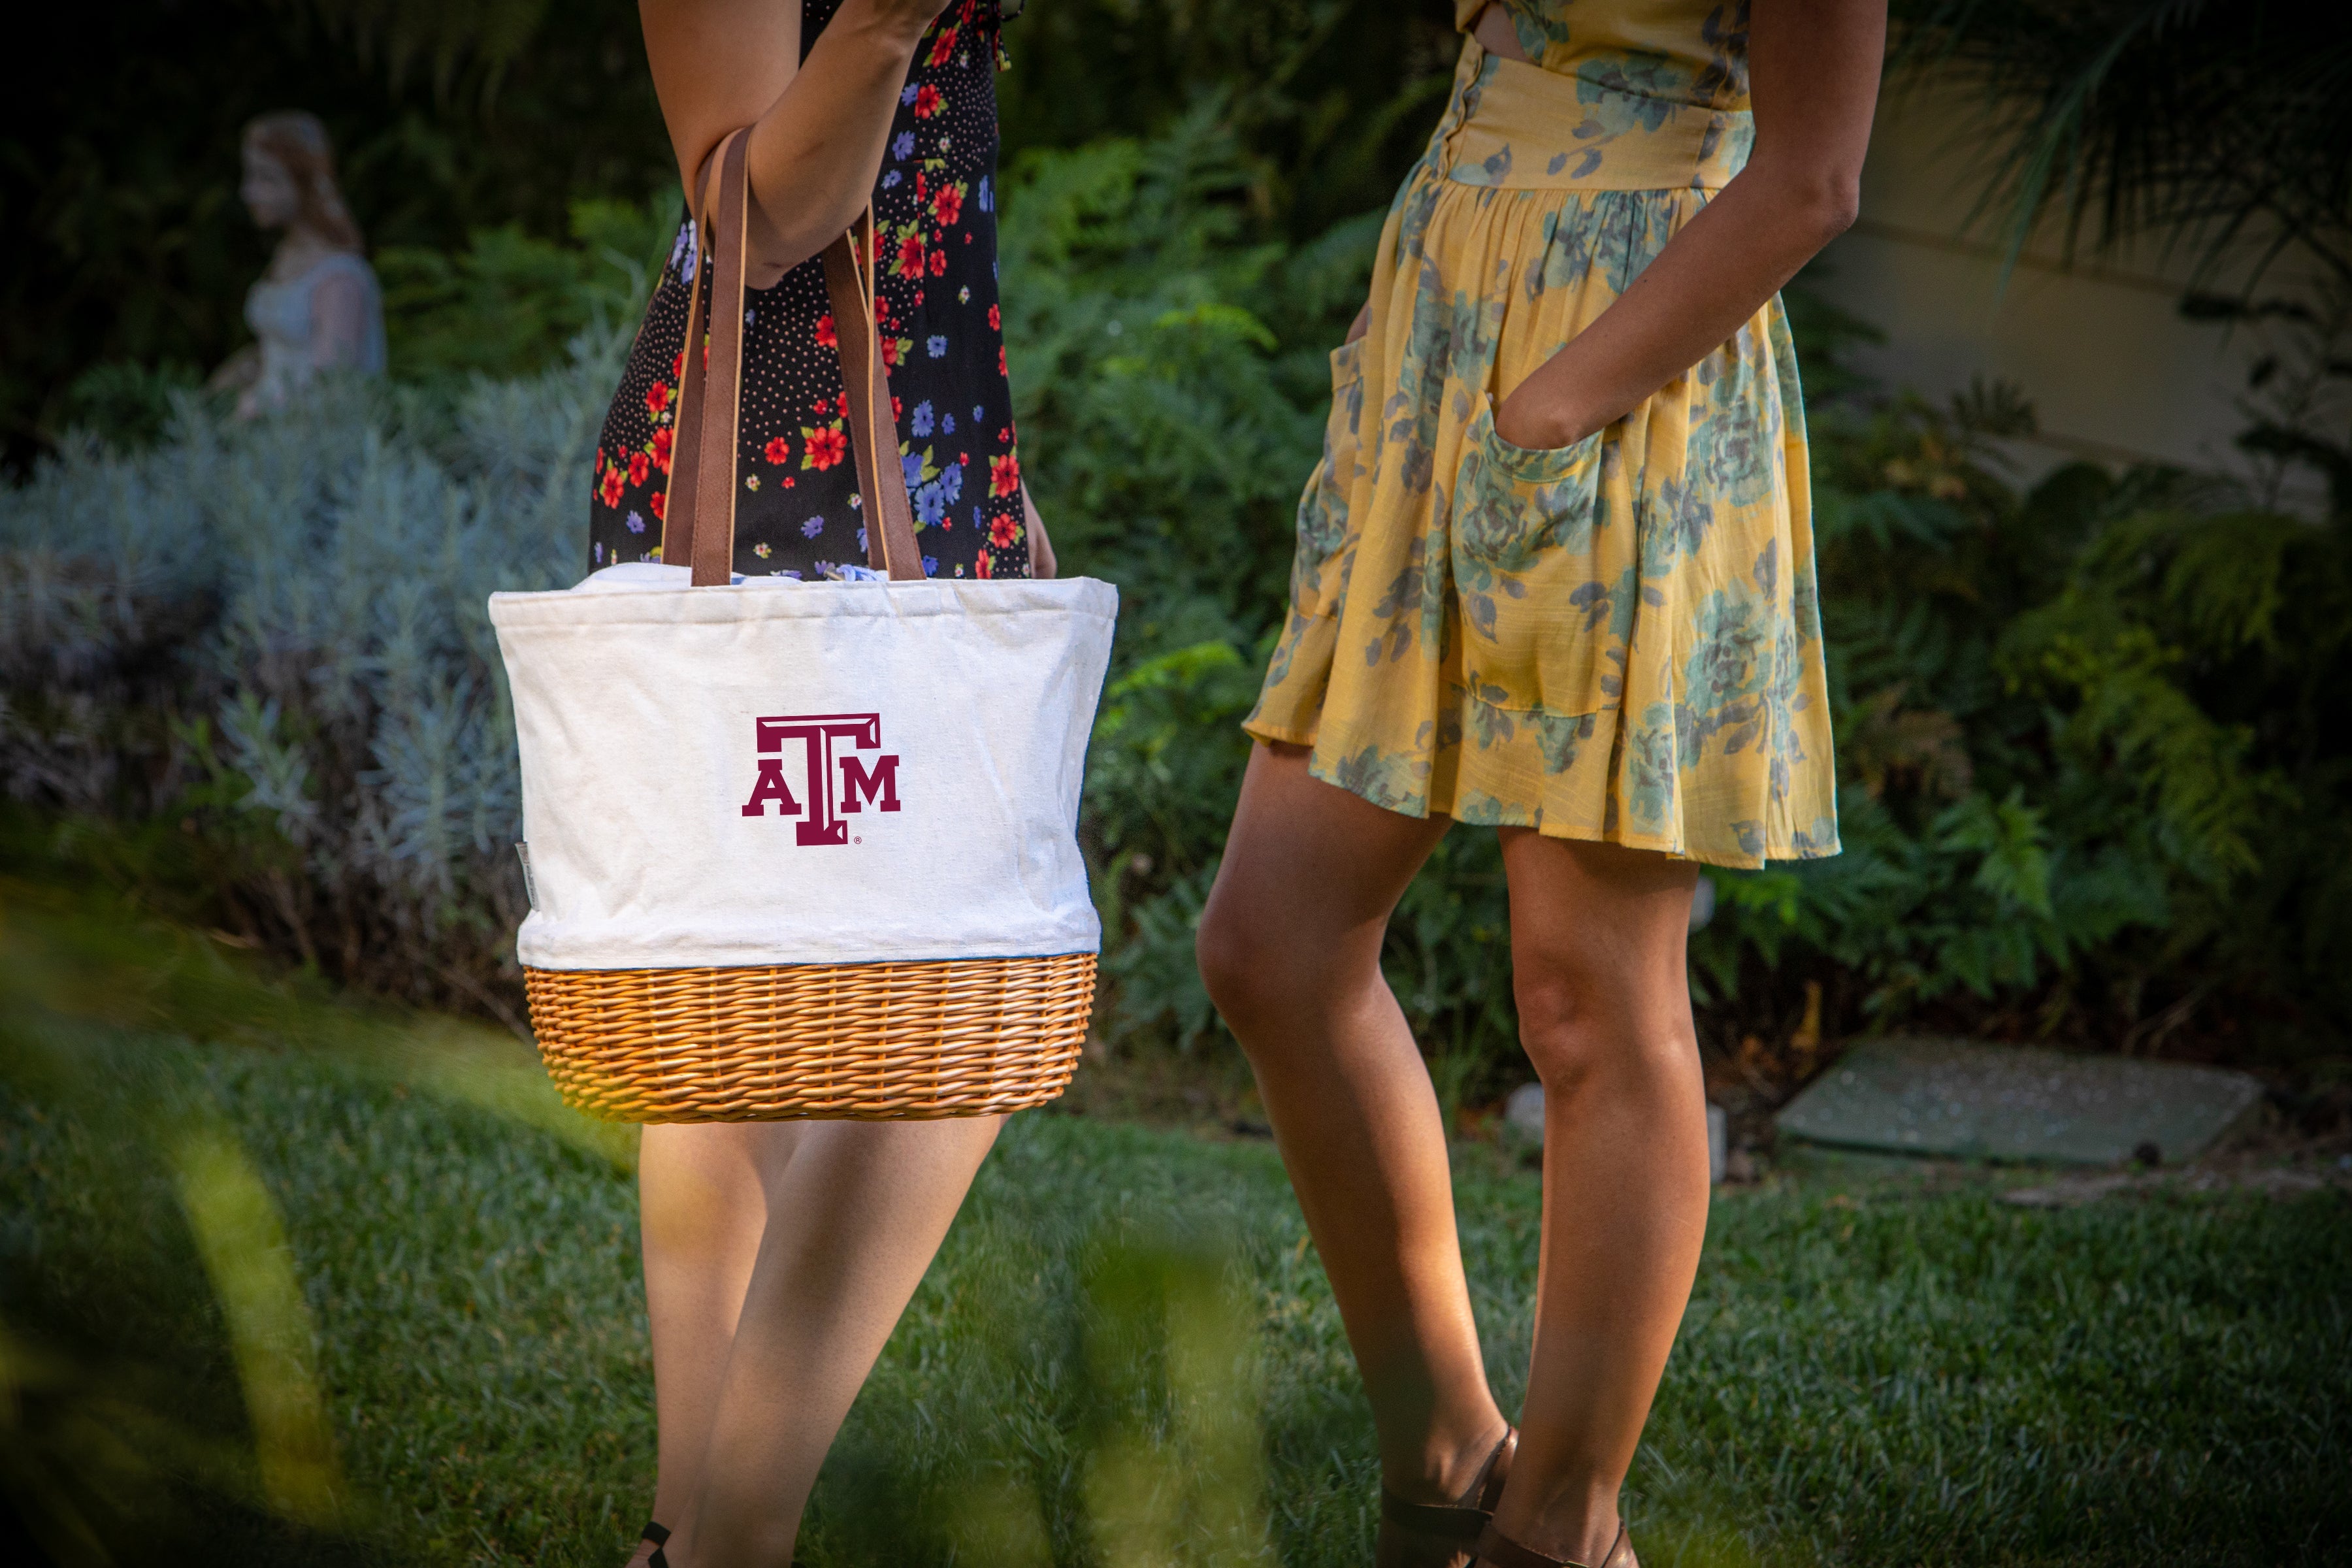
pixel 1965 1099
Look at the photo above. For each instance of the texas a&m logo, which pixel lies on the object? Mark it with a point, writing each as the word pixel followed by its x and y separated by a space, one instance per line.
pixel 864 781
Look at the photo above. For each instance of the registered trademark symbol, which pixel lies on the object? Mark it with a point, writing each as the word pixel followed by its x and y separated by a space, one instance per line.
pixel 857 841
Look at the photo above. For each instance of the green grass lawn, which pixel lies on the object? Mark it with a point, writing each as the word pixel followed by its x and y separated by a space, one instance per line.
pixel 1126 1354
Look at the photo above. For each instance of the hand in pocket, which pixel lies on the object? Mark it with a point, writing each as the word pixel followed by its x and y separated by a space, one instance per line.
pixel 1544 573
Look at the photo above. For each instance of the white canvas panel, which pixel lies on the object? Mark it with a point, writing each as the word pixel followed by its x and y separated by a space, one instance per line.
pixel 820 773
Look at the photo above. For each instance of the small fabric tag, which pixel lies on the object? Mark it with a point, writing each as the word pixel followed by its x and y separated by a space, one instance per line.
pixel 530 883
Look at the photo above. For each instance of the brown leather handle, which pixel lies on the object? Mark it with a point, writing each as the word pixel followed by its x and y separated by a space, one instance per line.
pixel 851 265
pixel 698 517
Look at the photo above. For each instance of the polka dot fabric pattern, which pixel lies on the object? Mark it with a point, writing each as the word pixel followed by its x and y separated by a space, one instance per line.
pixel 800 514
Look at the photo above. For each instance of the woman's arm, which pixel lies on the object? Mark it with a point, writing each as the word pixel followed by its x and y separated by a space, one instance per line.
pixel 817 134
pixel 240 370
pixel 1042 560
pixel 1814 77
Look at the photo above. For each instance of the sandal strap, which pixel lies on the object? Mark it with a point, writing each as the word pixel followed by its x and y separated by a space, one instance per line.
pixel 1496 1549
pixel 1460 1521
pixel 1440 1521
pixel 1486 1488
pixel 659 1535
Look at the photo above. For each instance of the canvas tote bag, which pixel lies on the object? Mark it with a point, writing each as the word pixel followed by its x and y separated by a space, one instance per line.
pixel 802 849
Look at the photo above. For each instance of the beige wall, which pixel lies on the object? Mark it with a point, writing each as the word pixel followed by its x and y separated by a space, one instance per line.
pixel 2114 371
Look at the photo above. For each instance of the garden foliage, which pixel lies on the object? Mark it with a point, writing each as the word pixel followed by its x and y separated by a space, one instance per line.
pixel 2091 731
pixel 484 125
pixel 262 655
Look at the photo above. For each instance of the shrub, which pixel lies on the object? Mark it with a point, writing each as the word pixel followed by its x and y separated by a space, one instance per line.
pixel 2094 764
pixel 271 643
pixel 508 303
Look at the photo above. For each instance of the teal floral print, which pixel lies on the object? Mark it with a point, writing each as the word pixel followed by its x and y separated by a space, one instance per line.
pixel 1616 640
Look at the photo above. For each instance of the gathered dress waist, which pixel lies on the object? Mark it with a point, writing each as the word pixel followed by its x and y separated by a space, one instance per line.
pixel 1525 128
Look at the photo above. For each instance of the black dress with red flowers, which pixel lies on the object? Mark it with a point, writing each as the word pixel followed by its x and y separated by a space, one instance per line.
pixel 800 514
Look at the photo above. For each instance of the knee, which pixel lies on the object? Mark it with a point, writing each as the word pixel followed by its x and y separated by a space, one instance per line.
pixel 1578 1030
pixel 1233 959
pixel 1558 1028
pixel 1265 977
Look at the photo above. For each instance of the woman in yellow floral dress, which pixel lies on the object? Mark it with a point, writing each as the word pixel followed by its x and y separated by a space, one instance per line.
pixel 1555 576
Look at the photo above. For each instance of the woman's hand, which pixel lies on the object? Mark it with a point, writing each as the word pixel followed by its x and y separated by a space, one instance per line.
pixel 240 370
pixel 1539 416
pixel 1813 79
pixel 817 133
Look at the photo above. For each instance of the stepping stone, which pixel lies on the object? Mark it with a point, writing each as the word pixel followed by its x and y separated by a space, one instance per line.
pixel 1964 1100
pixel 1523 1112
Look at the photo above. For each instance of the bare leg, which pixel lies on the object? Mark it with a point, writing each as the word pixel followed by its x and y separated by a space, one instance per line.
pixel 702 1195
pixel 1290 945
pixel 1597 936
pixel 854 1216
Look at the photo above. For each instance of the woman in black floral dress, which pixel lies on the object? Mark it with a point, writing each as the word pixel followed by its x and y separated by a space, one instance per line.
pixel 935 214
pixel 779 1255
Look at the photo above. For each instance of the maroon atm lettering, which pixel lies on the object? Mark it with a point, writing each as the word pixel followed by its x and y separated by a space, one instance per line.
pixel 881 785
pixel 864 781
pixel 771 786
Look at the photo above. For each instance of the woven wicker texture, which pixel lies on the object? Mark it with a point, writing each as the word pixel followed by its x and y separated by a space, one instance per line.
pixel 852 1042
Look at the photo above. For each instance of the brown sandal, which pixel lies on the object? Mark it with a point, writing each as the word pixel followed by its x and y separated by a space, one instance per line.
pixel 1496 1549
pixel 1441 1535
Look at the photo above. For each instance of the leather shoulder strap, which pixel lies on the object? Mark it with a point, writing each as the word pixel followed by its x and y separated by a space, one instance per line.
pixel 698 521
pixel 712 554
pixel 850 264
pixel 699 513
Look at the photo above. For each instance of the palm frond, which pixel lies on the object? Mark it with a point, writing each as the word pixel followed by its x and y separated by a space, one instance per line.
pixel 2218 127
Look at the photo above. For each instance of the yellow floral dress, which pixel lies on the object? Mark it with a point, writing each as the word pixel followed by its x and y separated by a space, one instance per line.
pixel 1618 640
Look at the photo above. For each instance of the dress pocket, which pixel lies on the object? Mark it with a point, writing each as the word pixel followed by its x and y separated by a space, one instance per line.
pixel 1544 576
pixel 1323 525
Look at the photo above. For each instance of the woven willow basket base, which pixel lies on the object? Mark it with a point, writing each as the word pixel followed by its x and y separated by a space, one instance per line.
pixel 855 1042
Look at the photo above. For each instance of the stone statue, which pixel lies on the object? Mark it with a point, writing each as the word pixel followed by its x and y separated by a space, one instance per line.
pixel 318 306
